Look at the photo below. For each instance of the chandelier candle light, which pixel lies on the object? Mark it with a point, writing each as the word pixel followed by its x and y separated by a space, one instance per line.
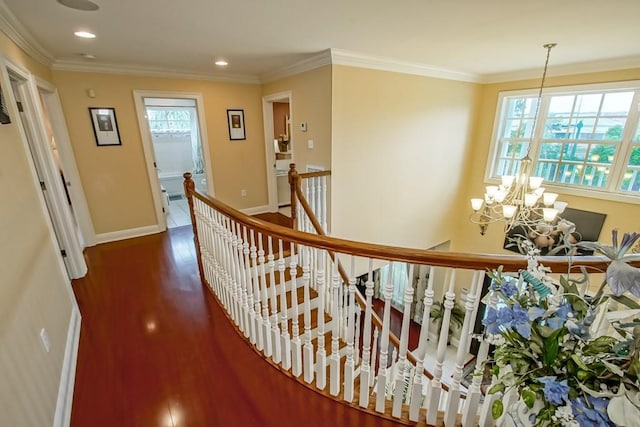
pixel 520 200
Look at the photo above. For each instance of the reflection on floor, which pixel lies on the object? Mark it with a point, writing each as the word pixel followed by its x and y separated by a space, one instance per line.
pixel 178 215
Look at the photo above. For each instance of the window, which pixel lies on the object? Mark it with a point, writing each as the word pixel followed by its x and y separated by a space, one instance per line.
pixel 170 119
pixel 586 138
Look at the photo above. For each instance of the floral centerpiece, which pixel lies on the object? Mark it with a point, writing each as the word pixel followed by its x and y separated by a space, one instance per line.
pixel 566 357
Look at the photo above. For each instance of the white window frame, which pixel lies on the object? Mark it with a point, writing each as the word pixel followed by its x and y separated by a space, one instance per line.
pixel 618 167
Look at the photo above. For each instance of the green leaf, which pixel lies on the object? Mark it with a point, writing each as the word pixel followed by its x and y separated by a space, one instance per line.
pixel 496 409
pixel 496 388
pixel 551 347
pixel 579 362
pixel 529 398
pixel 623 299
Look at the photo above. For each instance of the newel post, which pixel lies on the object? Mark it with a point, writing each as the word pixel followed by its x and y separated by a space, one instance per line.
pixel 189 189
pixel 293 183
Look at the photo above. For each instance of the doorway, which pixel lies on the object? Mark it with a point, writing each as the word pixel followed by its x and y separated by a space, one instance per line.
pixel 173 136
pixel 277 114
pixel 56 200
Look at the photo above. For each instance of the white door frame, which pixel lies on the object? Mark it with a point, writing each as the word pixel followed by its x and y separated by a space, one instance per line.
pixel 61 225
pixel 149 153
pixel 270 155
pixel 50 98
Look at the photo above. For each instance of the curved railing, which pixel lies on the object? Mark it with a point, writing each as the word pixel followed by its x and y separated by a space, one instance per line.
pixel 288 294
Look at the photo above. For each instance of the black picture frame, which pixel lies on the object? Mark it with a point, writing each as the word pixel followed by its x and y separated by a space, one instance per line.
pixel 235 121
pixel 105 126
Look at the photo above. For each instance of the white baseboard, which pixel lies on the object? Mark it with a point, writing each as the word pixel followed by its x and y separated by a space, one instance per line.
pixel 256 210
pixel 67 377
pixel 127 234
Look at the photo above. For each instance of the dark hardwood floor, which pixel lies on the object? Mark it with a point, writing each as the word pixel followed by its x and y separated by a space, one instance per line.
pixel 156 349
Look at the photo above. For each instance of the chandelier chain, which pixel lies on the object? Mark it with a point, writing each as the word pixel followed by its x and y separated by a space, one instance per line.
pixel 547 46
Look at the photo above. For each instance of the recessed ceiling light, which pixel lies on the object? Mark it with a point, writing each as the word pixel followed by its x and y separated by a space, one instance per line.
pixel 88 56
pixel 79 4
pixel 221 63
pixel 85 35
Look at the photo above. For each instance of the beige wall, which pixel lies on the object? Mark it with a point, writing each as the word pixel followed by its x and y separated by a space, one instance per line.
pixel 115 178
pixel 624 216
pixel 311 103
pixel 34 289
pixel 399 143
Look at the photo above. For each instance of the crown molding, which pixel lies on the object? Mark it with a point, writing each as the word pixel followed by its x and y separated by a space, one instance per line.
pixel 10 26
pixel 65 65
pixel 564 70
pixel 316 61
pixel 354 59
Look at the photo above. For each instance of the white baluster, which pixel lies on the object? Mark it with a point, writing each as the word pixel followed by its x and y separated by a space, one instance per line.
pixel 356 354
pixel 253 254
pixel 334 358
pixel 285 339
pixel 486 417
pixel 402 375
pixel 321 354
pixel 366 368
pixel 454 391
pixel 296 344
pixel 374 354
pixel 250 329
pixel 384 344
pixel 323 205
pixel 275 329
pixel 266 323
pixel 436 382
pixel 235 274
pixel 475 393
pixel 242 277
pixel 307 355
pixel 416 392
pixel 349 368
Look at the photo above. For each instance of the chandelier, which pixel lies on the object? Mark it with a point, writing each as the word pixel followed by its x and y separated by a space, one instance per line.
pixel 520 201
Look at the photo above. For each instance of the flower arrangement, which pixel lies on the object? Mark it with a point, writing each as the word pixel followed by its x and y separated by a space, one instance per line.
pixel 564 357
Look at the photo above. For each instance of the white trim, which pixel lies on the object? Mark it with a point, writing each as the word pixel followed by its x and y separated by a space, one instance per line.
pixel 612 192
pixel 564 70
pixel 67 377
pixel 10 26
pixel 139 70
pixel 34 136
pixel 149 152
pixel 267 117
pixel 316 61
pixel 354 59
pixel 128 234
pixel 256 210
pixel 50 97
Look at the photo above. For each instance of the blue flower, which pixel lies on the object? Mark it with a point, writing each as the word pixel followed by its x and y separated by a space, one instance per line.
pixel 591 411
pixel 555 392
pixel 491 321
pixel 521 321
pixel 505 316
pixel 560 316
pixel 508 289
pixel 536 313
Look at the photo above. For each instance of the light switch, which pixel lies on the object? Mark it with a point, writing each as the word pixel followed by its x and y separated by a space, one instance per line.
pixel 310 143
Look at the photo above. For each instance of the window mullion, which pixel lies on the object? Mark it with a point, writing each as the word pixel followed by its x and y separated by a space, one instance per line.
pixel 538 132
pixel 621 161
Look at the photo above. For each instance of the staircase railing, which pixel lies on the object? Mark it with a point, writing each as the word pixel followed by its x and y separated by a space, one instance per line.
pixel 299 308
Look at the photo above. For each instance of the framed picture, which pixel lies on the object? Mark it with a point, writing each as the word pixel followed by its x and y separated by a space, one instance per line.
pixel 105 126
pixel 236 125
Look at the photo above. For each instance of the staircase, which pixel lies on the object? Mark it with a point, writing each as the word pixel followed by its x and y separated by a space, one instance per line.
pixel 292 293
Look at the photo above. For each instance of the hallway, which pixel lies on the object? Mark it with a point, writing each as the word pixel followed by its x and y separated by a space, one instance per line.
pixel 157 350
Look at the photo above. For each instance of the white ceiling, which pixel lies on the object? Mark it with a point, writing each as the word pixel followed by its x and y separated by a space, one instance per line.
pixel 485 39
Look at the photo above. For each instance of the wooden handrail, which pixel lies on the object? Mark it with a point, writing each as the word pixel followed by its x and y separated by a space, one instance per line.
pixel 468 261
pixel 462 260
